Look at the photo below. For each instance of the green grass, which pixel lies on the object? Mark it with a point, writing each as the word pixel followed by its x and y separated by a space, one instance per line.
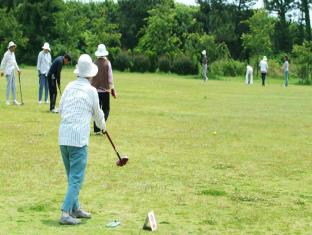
pixel 252 177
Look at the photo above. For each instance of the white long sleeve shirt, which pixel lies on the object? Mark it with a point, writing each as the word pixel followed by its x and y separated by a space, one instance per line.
pixel 8 63
pixel 44 62
pixel 79 103
pixel 263 66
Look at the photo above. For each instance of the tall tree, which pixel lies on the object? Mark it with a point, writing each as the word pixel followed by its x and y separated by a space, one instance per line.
pixel 281 7
pixel 258 40
pixel 131 15
pixel 305 9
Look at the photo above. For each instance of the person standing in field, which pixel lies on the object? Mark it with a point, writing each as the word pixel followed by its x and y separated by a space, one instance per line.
pixel 204 66
pixel 79 103
pixel 263 69
pixel 103 82
pixel 43 66
pixel 8 67
pixel 54 78
pixel 249 75
pixel 286 71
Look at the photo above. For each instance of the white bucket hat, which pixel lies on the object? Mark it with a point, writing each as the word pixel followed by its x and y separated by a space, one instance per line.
pixel 11 44
pixel 85 67
pixel 46 46
pixel 204 52
pixel 265 58
pixel 101 51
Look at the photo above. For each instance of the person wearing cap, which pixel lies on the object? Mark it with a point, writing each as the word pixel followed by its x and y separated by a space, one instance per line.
pixel 79 103
pixel 8 67
pixel 204 65
pixel 103 81
pixel 43 66
pixel 263 69
pixel 54 79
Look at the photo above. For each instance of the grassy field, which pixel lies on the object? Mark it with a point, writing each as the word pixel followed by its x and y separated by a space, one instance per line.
pixel 214 158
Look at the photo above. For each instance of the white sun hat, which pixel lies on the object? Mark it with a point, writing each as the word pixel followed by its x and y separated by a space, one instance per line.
pixel 46 46
pixel 101 51
pixel 11 44
pixel 204 52
pixel 85 67
pixel 265 58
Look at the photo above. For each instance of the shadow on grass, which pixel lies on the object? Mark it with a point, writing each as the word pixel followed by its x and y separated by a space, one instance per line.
pixel 55 223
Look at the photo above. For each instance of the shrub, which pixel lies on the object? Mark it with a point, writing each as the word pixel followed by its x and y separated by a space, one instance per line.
pixel 227 68
pixel 184 65
pixel 164 64
pixel 122 61
pixel 141 63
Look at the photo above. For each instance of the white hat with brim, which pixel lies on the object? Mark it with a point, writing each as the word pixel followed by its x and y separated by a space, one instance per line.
pixel 85 67
pixel 204 52
pixel 46 46
pixel 11 44
pixel 101 51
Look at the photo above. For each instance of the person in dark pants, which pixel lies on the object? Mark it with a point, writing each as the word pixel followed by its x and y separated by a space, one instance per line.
pixel 263 69
pixel 103 82
pixel 54 78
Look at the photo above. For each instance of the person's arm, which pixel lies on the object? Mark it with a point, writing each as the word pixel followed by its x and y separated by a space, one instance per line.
pixel 97 112
pixel 3 64
pixel 58 73
pixel 15 64
pixel 111 80
pixel 39 62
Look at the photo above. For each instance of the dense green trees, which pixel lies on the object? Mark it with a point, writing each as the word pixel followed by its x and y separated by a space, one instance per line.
pixel 143 35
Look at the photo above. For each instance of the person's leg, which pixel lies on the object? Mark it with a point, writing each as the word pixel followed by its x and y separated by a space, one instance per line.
pixel 41 83
pixel 8 87
pixel 286 78
pixel 249 78
pixel 50 91
pixel 106 104
pixel 77 164
pixel 95 128
pixel 263 78
pixel 13 86
pixel 46 89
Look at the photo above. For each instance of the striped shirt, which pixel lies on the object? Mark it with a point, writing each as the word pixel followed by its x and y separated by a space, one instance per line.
pixel 8 63
pixel 44 62
pixel 79 103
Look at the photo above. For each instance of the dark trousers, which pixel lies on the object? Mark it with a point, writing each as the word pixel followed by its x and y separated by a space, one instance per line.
pixel 52 92
pixel 263 76
pixel 104 105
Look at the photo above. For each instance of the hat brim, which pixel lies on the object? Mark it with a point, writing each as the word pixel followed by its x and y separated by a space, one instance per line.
pixel 45 48
pixel 13 45
pixel 100 54
pixel 91 73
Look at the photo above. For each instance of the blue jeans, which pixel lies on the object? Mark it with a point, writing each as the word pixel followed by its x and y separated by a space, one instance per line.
pixel 286 78
pixel 43 82
pixel 10 86
pixel 75 162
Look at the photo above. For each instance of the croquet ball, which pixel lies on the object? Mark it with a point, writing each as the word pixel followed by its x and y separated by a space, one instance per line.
pixel 214 132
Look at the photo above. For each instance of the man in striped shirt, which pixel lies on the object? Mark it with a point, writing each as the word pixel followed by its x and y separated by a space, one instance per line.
pixel 79 103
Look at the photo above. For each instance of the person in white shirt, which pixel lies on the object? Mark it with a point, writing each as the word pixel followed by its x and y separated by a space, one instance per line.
pixel 249 75
pixel 8 66
pixel 43 65
pixel 79 103
pixel 263 69
pixel 286 68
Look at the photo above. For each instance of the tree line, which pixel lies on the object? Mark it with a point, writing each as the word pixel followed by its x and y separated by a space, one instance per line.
pixel 149 35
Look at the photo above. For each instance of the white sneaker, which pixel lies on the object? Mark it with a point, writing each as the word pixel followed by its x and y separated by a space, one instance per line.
pixel 7 102
pixel 47 102
pixel 55 110
pixel 16 102
pixel 39 102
